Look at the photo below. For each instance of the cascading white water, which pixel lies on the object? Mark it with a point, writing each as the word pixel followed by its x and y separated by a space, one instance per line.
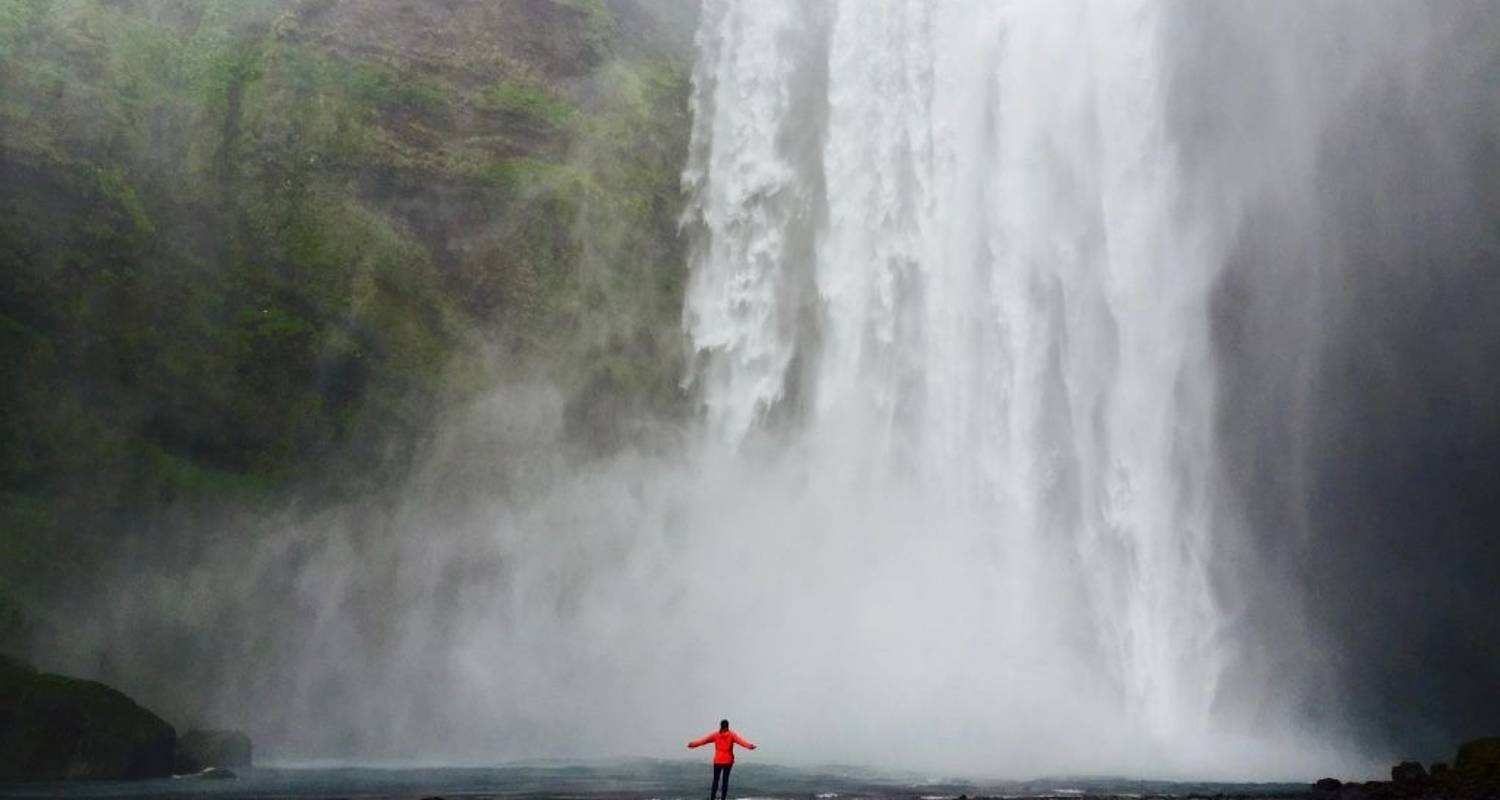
pixel 949 242
pixel 960 497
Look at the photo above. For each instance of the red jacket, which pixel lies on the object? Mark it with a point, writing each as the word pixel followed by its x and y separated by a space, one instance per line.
pixel 724 742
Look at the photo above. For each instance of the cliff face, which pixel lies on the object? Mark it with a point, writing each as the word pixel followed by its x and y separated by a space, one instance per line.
pixel 251 243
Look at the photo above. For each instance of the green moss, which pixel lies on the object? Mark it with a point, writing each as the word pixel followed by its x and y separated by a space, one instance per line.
pixel 377 87
pixel 26 524
pixel 239 239
pixel 183 479
pixel 626 298
pixel 274 323
pixel 599 23
pixel 18 19
pixel 220 16
pixel 525 99
pixel 528 175
pixel 115 186
pixel 597 12
pixel 16 338
pixel 217 66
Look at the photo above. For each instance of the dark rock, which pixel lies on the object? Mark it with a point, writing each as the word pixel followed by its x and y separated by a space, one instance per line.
pixel 58 728
pixel 1479 759
pixel 199 750
pixel 1328 784
pixel 1408 773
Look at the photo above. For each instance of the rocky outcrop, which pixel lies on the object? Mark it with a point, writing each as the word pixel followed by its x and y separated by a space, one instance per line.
pixel 1408 772
pixel 198 751
pixel 1475 775
pixel 58 728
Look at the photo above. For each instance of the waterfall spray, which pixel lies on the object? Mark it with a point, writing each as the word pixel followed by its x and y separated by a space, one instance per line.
pixel 950 241
pixel 985 301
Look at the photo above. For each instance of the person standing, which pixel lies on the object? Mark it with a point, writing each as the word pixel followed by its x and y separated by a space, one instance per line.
pixel 724 741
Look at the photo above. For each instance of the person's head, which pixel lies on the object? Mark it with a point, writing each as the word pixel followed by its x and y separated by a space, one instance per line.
pixel 723 724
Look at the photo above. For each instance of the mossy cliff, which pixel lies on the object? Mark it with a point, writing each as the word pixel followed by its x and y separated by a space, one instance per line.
pixel 247 244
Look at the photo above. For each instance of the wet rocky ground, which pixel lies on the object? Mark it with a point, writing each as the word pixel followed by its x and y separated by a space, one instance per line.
pixel 635 780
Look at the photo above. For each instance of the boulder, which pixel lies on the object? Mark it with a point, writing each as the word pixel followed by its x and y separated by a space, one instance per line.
pixel 199 750
pixel 1328 785
pixel 1479 759
pixel 58 728
pixel 1408 773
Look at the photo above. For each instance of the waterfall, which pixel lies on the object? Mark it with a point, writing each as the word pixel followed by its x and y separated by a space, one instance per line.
pixel 1038 345
pixel 945 250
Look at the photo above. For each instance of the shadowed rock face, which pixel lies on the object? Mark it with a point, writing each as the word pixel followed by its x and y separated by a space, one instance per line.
pixel 57 728
pixel 1408 772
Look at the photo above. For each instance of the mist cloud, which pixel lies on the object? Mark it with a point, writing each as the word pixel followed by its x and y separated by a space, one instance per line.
pixel 813 564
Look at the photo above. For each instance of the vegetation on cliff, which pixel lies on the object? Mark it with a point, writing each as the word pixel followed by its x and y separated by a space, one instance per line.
pixel 250 244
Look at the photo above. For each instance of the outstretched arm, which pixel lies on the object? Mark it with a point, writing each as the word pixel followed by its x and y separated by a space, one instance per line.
pixel 743 742
pixel 703 741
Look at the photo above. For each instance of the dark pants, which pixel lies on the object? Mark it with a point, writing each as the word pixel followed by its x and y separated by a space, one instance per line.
pixel 720 769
